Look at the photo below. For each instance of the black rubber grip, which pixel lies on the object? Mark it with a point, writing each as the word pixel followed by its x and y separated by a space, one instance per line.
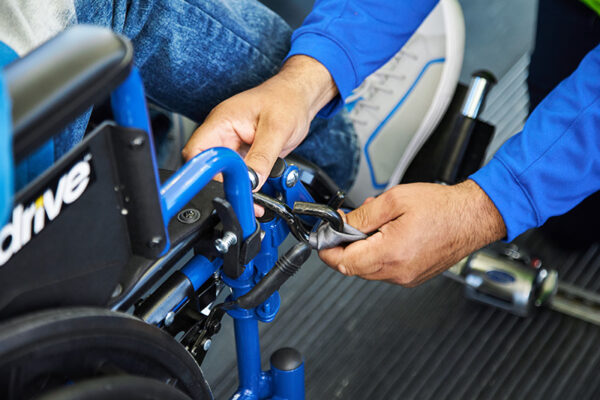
pixel 59 80
pixel 474 155
pixel 283 269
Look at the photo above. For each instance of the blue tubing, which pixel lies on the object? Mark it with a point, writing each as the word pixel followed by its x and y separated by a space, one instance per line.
pixel 248 357
pixel 6 154
pixel 288 385
pixel 128 103
pixel 197 172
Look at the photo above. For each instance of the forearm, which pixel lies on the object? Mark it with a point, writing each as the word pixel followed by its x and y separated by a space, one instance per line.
pixel 310 79
pixel 481 222
pixel 352 39
pixel 554 163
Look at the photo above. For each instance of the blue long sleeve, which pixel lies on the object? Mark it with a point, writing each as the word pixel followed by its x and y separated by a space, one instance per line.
pixel 353 38
pixel 554 163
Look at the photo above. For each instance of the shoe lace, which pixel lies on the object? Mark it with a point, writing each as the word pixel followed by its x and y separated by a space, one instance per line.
pixel 377 82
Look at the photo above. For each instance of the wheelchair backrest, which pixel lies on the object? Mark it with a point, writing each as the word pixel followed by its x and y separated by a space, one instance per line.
pixel 74 230
pixel 6 160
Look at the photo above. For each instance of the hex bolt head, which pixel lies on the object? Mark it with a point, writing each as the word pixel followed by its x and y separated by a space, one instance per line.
pixel 169 318
pixel 223 244
pixel 292 178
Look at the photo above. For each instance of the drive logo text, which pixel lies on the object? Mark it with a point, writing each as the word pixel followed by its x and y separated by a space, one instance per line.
pixel 28 220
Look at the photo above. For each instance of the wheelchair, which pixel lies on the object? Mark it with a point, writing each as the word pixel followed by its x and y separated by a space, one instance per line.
pixel 110 268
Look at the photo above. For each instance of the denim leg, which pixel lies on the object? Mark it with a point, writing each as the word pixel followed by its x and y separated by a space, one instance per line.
pixel 332 144
pixel 193 54
pixel 71 135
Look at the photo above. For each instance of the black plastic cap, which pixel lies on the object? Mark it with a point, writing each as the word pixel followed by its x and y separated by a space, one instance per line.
pixel 286 359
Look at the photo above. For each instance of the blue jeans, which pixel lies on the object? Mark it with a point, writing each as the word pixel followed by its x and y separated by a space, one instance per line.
pixel 193 54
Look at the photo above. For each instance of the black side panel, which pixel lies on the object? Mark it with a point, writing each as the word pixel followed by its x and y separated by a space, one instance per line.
pixel 55 83
pixel 140 192
pixel 76 256
pixel 141 273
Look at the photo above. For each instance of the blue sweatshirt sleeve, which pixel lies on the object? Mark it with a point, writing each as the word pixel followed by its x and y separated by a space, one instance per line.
pixel 554 163
pixel 353 38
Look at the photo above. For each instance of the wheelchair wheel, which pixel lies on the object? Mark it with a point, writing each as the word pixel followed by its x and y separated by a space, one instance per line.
pixel 49 350
pixel 116 387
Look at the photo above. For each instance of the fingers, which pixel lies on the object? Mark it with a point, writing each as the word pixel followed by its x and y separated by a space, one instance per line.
pixel 258 211
pixel 269 141
pixel 214 132
pixel 376 212
pixel 206 137
pixel 361 258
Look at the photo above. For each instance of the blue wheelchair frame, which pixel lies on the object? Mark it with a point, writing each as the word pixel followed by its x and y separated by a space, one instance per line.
pixel 129 107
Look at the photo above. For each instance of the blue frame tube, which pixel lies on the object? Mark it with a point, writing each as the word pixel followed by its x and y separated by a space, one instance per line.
pixel 197 172
pixel 128 103
pixel 248 358
pixel 199 269
pixel 288 385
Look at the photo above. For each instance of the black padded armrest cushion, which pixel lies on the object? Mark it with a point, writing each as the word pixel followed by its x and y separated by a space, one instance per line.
pixel 59 80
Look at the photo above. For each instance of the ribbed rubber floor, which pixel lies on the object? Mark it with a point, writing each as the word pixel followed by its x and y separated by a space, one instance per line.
pixel 365 340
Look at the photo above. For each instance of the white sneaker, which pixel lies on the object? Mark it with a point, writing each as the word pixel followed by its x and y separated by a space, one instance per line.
pixel 397 107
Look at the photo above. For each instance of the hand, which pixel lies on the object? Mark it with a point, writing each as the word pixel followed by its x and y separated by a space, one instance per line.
pixel 270 120
pixel 423 229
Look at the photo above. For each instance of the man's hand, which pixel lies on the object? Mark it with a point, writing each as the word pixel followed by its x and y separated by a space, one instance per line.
pixel 423 229
pixel 270 120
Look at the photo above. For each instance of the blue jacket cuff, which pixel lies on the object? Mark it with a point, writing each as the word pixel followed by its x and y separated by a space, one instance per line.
pixel 509 197
pixel 337 61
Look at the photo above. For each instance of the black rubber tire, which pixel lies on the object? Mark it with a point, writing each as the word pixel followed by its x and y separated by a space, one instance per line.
pixel 44 351
pixel 116 387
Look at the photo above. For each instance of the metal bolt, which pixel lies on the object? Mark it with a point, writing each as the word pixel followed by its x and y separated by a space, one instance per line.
pixel 292 178
pixel 206 344
pixel 169 318
pixel 137 142
pixel 223 244
pixel 512 251
pixel 188 216
pixel 155 242
pixel 117 291
pixel 266 307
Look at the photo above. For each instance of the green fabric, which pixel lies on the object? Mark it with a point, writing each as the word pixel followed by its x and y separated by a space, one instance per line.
pixel 593 4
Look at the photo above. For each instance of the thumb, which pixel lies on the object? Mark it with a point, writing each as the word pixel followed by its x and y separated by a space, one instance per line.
pixel 267 146
pixel 376 212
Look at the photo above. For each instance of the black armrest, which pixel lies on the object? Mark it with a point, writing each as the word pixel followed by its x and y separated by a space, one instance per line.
pixel 58 81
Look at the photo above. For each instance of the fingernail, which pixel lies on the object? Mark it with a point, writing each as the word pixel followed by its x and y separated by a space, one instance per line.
pixel 342 269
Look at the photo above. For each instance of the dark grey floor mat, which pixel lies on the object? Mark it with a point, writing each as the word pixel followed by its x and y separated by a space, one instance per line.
pixel 367 340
